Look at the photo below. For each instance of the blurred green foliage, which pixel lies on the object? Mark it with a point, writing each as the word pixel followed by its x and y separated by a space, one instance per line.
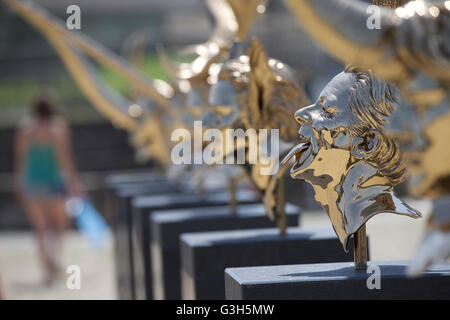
pixel 20 93
pixel 150 66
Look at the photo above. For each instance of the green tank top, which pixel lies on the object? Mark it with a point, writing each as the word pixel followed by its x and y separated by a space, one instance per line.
pixel 41 168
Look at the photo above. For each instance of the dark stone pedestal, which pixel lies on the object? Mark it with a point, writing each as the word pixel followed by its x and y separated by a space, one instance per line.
pixel 119 209
pixel 336 281
pixel 141 234
pixel 205 255
pixel 167 228
pixel 119 179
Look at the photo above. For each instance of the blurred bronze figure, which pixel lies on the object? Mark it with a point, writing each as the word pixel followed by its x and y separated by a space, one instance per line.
pixel 345 154
pixel 257 92
pixel 191 82
pixel 44 176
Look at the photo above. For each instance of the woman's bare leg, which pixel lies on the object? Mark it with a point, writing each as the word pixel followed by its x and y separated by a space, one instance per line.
pixel 59 222
pixel 36 212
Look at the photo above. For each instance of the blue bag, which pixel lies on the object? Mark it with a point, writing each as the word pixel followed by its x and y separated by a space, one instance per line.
pixel 90 223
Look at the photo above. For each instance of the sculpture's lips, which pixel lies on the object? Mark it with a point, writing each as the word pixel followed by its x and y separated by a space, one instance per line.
pixel 302 152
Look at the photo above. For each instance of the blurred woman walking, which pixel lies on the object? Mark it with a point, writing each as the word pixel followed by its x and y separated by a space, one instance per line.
pixel 44 176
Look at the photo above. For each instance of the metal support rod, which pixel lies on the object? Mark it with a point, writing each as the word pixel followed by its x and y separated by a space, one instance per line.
pixel 232 189
pixel 360 248
pixel 280 207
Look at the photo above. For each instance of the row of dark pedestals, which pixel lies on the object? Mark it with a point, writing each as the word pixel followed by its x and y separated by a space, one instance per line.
pixel 172 243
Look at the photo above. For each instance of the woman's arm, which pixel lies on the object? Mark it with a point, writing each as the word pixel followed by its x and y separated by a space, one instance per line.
pixel 19 148
pixel 65 156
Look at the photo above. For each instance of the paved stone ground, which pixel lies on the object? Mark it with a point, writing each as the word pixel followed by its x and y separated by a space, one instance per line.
pixel 22 277
pixel 391 238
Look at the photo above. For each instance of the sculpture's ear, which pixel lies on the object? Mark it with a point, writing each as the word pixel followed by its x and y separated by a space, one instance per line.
pixel 262 78
pixel 367 144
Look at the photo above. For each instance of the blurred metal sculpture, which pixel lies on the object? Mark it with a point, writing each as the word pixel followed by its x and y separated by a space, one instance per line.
pixel 411 49
pixel 192 81
pixel 346 156
pixel 249 92
pixel 434 246
pixel 232 19
pixel 257 92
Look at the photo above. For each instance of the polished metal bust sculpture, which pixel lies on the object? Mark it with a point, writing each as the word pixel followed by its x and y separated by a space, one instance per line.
pixel 410 48
pixel 345 154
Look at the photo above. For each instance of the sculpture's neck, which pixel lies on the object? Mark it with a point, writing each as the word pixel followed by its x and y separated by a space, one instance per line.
pixel 355 196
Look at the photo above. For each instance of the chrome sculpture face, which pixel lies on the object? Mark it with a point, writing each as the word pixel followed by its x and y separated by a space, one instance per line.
pixel 345 154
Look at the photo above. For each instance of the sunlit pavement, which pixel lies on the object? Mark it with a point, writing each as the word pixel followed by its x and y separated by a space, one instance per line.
pixel 391 237
pixel 22 278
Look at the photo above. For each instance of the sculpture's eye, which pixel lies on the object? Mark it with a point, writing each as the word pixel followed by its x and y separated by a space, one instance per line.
pixel 329 112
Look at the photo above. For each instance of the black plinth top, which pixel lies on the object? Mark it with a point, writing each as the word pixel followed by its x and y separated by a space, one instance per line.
pixel 206 239
pixel 336 281
pixel 134 177
pixel 144 189
pixel 323 272
pixel 161 201
pixel 242 210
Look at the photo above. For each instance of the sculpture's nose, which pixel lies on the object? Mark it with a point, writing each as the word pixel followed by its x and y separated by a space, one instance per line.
pixel 303 116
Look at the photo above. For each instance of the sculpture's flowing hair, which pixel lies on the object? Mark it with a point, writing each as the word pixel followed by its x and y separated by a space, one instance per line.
pixel 373 100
